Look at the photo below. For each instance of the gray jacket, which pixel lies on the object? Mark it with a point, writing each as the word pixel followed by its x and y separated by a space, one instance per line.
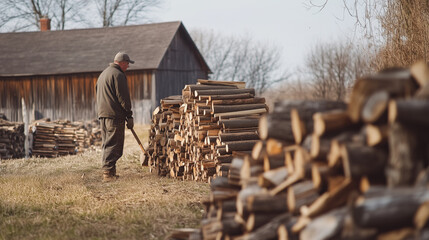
pixel 113 97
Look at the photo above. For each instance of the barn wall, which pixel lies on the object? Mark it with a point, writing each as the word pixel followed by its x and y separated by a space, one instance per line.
pixel 69 96
pixel 180 66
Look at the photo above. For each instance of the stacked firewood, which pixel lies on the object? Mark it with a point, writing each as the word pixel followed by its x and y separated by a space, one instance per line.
pixel 326 170
pixel 88 134
pixel 61 137
pixel 165 122
pixel 11 140
pixel 214 119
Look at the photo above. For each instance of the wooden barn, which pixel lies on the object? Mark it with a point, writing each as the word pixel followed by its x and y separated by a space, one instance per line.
pixel 53 73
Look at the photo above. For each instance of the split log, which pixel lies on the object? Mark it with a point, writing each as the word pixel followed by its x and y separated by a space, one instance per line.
pixel 302 163
pixel 275 147
pixel 224 158
pixel 274 161
pixel 327 226
pixel 235 108
pixel 259 151
pixel 319 176
pixel 388 208
pixel 273 177
pixel 250 169
pixel 410 112
pixel 301 194
pixel 221 183
pixel 238 101
pixel 320 146
pixel 397 83
pixel 332 199
pixel 246 113
pixel 226 96
pixel 331 121
pixel 265 203
pixel 222 83
pixel 359 160
pixel 194 87
pixel 255 220
pixel 302 116
pixel 267 231
pixel 420 72
pixel 376 135
pixel 216 92
pixel 285 232
pixel 244 145
pixel 334 155
pixel 227 137
pixel 239 123
pixel 291 179
pixel 244 194
pixel 421 218
pixel 405 157
pixel 301 169
pixel 272 127
pixel 375 107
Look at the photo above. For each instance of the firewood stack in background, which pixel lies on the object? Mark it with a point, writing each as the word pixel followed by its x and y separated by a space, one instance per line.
pixel 327 170
pixel 88 134
pixel 11 139
pixel 215 119
pixel 44 139
pixel 62 137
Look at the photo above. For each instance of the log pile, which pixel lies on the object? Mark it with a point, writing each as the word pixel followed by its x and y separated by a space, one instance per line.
pixel 331 170
pixel 165 123
pixel 11 139
pixel 194 136
pixel 62 137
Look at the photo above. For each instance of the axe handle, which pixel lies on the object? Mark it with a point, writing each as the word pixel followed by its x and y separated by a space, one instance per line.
pixel 138 140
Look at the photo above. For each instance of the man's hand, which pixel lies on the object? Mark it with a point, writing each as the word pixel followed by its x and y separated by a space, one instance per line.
pixel 130 123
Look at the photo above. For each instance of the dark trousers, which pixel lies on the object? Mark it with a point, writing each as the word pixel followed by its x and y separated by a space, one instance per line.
pixel 113 135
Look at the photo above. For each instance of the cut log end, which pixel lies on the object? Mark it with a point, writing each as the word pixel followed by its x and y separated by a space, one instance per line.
pixel 393 112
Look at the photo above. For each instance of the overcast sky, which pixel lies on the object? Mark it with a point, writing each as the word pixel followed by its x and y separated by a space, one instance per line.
pixel 289 24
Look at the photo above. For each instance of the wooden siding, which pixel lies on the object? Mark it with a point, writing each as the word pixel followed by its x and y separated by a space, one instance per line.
pixel 69 96
pixel 180 66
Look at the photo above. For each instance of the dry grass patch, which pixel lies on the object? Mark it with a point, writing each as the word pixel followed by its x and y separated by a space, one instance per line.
pixel 64 198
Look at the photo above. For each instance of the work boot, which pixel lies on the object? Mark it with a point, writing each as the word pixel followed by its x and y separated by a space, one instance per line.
pixel 109 176
pixel 114 172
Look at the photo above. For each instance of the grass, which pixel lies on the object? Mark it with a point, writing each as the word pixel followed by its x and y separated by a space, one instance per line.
pixel 64 198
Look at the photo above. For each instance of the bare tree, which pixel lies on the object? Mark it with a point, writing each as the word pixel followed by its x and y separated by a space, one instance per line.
pixel 124 12
pixel 331 69
pixel 399 27
pixel 24 15
pixel 21 15
pixel 240 59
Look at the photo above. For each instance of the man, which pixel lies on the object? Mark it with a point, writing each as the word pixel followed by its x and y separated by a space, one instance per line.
pixel 113 109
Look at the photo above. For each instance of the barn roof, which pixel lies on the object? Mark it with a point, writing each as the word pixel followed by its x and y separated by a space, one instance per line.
pixel 87 50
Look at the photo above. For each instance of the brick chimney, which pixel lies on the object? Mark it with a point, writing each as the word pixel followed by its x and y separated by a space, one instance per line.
pixel 45 24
